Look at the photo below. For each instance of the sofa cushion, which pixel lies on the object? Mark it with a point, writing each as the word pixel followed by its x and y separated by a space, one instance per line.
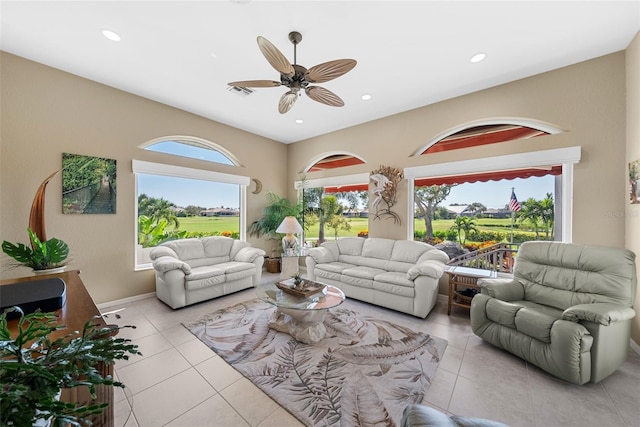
pixel 202 277
pixel 536 320
pixel 408 251
pixel 397 290
pixel 334 267
pixel 362 272
pixel 350 245
pixel 328 275
pixel 502 312
pixel 187 249
pixel 359 282
pixel 217 246
pixel 203 262
pixel 377 248
pixel 394 278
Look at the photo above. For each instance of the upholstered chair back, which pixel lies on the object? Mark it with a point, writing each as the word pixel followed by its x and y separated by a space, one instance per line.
pixel 563 275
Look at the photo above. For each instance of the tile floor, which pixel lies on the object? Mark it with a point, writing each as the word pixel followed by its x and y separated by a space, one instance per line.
pixel 179 382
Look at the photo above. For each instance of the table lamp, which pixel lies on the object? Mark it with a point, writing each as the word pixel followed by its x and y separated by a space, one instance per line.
pixel 289 226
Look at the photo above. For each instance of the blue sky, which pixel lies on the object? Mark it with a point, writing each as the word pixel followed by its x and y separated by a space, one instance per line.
pixel 492 194
pixel 184 192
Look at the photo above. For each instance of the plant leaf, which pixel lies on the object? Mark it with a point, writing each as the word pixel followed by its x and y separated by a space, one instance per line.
pixel 361 405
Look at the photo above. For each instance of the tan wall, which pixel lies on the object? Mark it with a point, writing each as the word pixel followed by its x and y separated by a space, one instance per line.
pixel 46 112
pixel 586 99
pixel 632 217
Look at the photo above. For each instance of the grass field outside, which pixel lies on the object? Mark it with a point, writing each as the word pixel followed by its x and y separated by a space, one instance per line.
pixel 221 224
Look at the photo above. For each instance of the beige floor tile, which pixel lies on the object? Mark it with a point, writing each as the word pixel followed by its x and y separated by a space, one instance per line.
pixel 168 400
pixel 195 351
pixel 280 418
pixel 214 411
pixel 624 390
pixel 148 346
pixel 451 360
pixel 218 373
pixel 486 363
pixel 557 402
pixel 506 401
pixel 178 334
pixel 152 370
pixel 123 415
pixel 243 391
pixel 441 389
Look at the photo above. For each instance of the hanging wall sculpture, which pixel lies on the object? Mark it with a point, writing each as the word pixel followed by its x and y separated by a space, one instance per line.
pixel 386 180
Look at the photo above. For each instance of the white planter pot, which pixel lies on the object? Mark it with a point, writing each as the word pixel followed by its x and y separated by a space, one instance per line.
pixel 50 270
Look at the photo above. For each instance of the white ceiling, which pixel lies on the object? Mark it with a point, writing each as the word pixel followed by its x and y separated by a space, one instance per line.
pixel 410 54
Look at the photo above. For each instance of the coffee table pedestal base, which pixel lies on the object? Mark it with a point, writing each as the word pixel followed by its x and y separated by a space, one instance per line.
pixel 305 326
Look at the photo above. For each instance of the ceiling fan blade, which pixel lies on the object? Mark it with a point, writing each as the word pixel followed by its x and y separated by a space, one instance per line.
pixel 255 83
pixel 330 70
pixel 275 57
pixel 324 96
pixel 286 101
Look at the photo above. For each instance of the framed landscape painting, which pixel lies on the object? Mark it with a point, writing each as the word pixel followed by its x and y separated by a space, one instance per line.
pixel 88 185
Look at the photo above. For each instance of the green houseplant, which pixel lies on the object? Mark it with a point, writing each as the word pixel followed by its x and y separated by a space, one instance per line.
pixel 34 368
pixel 272 215
pixel 45 255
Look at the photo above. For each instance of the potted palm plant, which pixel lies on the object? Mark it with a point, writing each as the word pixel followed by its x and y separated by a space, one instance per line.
pixel 49 256
pixel 35 367
pixel 272 215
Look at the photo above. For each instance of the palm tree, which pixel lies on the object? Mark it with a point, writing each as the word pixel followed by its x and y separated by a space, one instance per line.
pixel 464 225
pixel 272 215
pixel 157 209
pixel 531 213
pixel 547 215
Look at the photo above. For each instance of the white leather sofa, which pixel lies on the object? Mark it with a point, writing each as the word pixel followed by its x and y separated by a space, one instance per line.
pixel 193 270
pixel 398 274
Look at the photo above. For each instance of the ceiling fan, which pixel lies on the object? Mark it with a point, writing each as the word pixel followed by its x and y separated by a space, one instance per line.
pixel 296 77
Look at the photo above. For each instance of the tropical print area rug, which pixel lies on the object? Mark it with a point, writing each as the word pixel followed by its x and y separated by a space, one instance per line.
pixel 364 372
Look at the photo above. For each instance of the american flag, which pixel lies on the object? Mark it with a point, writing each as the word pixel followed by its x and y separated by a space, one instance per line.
pixel 514 206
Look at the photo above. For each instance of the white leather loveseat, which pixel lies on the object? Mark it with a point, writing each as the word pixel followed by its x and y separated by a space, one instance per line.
pixel 193 270
pixel 398 274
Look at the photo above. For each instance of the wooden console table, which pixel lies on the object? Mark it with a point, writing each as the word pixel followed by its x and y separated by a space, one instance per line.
pixel 464 277
pixel 78 309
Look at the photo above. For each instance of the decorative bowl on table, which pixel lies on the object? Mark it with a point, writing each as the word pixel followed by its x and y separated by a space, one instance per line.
pixel 305 288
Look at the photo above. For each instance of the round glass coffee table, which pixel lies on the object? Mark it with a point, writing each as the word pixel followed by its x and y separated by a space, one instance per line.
pixel 300 317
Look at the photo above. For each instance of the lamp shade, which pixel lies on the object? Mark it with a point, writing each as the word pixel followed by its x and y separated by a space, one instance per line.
pixel 289 225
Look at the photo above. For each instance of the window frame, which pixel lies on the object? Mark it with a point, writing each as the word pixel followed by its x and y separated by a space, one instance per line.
pixel 151 168
pixel 566 156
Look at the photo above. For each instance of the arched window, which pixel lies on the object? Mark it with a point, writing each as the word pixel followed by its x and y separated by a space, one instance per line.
pixel 333 160
pixel 176 202
pixel 192 147
pixel 487 131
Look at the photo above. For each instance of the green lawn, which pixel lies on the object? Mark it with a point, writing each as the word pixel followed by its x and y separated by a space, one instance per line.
pixel 220 224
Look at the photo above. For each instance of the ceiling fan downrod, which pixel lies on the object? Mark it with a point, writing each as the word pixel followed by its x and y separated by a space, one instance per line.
pixel 295 38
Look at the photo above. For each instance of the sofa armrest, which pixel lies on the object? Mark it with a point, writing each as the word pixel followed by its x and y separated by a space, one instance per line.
pixel 248 254
pixel 602 313
pixel 434 269
pixel 167 263
pixel 321 255
pixel 160 251
pixel 506 289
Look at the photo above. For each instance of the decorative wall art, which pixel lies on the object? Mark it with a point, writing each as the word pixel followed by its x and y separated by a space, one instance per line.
pixel 88 185
pixel 386 180
pixel 634 182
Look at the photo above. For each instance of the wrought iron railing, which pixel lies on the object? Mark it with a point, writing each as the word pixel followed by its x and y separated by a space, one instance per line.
pixel 499 257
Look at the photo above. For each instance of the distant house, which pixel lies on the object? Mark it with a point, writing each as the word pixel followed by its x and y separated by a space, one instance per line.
pixel 220 212
pixel 458 210
pixel 497 213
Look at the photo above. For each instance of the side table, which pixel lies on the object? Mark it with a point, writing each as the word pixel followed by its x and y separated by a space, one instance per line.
pixel 465 277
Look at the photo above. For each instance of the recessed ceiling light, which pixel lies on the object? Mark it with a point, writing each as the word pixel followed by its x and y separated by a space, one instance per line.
pixel 478 57
pixel 366 97
pixel 299 121
pixel 213 55
pixel 111 35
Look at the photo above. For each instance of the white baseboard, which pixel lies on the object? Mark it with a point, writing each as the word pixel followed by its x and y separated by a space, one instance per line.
pixel 125 300
pixel 635 347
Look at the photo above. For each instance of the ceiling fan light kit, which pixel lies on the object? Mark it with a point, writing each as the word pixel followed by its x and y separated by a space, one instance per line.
pixel 297 78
